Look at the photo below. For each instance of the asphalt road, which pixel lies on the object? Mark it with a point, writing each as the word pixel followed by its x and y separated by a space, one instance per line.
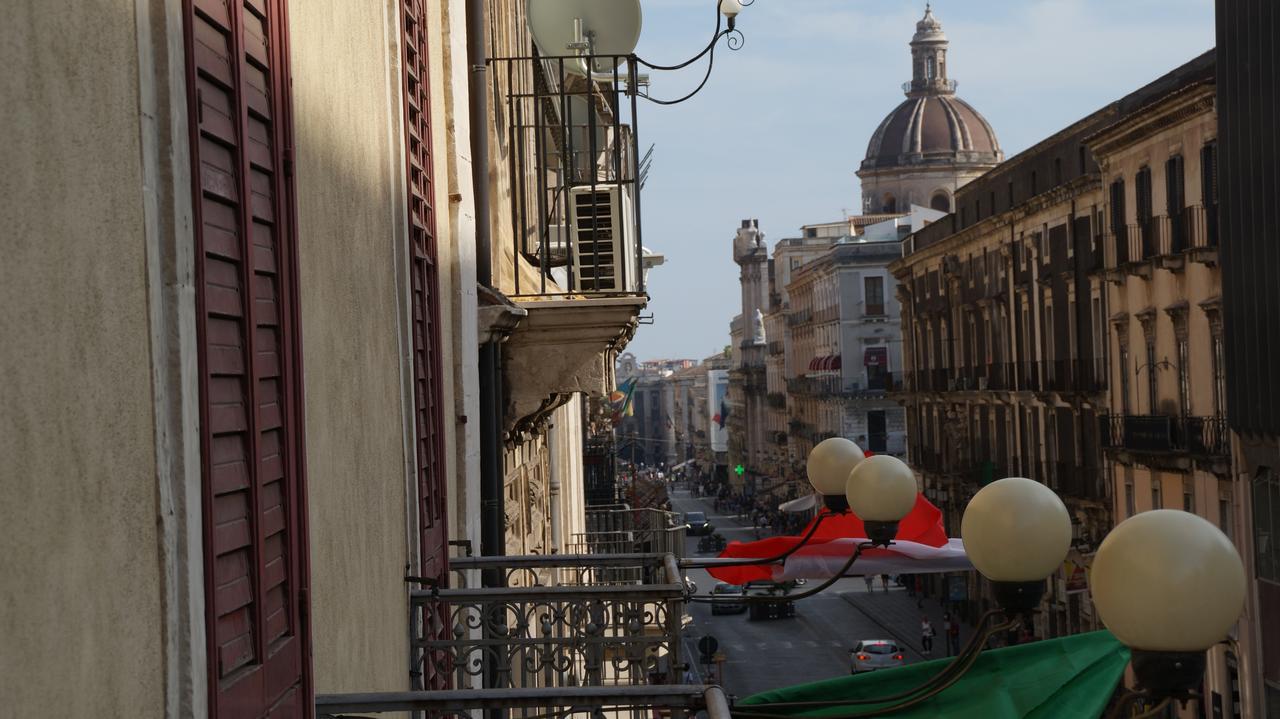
pixel 769 654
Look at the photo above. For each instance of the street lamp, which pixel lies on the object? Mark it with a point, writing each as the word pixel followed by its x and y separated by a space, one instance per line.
pixel 1016 532
pixel 1169 585
pixel 726 10
pixel 881 490
pixel 829 466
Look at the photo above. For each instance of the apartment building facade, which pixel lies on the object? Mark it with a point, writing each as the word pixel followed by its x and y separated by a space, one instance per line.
pixel 277 187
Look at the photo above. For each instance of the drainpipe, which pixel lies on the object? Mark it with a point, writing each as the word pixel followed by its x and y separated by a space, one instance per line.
pixel 553 489
pixel 492 532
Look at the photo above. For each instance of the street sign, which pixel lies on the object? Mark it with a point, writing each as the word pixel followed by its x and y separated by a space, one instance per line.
pixel 708 646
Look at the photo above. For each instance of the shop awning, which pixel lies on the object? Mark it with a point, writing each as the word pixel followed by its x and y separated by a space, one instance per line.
pixel 1068 678
pixel 815 364
pixel 801 504
pixel 837 362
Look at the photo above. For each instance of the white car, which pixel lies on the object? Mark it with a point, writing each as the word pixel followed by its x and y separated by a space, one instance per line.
pixel 872 654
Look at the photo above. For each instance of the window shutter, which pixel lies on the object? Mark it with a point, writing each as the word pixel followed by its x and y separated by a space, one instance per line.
pixel 250 400
pixel 424 276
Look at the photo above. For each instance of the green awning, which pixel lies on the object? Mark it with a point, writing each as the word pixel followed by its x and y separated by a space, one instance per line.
pixel 1069 678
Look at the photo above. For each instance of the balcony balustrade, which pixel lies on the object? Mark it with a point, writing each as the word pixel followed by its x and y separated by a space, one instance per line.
pixel 621 529
pixel 1159 434
pixel 639 702
pixel 561 621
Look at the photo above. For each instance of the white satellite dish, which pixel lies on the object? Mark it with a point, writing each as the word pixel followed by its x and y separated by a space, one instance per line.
pixel 565 27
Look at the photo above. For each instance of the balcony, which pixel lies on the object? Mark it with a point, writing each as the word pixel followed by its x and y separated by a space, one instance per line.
pixel 577 632
pixel 1169 240
pixel 799 317
pixel 876 386
pixel 641 702
pixel 1163 434
pixel 621 529
pixel 561 621
pixel 572 151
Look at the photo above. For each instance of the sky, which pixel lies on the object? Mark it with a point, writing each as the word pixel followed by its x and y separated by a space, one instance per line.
pixel 784 122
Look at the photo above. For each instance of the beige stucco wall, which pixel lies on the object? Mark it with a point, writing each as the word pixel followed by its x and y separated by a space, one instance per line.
pixel 352 216
pixel 80 596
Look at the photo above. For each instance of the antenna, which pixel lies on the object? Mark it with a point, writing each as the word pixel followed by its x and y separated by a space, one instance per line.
pixel 586 27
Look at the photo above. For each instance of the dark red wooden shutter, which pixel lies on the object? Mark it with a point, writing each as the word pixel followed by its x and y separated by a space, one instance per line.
pixel 423 273
pixel 250 400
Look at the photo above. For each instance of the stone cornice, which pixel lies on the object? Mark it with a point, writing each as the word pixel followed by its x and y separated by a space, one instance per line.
pixel 1177 107
pixel 1060 195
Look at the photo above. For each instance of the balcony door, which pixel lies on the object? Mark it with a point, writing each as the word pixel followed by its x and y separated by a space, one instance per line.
pixel 877 431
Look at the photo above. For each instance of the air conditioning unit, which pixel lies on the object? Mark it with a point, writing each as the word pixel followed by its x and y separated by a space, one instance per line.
pixel 556 251
pixel 602 224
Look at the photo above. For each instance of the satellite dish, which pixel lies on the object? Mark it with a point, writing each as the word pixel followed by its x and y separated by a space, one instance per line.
pixel 563 27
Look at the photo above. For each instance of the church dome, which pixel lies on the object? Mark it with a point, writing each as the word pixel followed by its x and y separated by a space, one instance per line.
pixel 932 126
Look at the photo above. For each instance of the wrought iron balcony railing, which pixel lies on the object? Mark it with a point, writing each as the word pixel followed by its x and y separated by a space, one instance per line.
pixel 621 529
pixel 630 702
pixel 562 621
pixel 1197 436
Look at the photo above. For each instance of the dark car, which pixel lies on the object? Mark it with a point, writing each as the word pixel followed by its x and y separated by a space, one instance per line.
pixel 781 608
pixel 728 599
pixel 872 654
pixel 698 524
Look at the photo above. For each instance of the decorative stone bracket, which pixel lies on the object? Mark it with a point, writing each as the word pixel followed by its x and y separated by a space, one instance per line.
pixel 561 347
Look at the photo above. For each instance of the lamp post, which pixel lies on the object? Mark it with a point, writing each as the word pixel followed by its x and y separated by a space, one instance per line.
pixel 1169 585
pixel 1016 532
pixel 830 463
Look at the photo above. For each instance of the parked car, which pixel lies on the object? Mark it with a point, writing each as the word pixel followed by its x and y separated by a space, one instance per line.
pixel 698 524
pixel 728 599
pixel 780 609
pixel 872 654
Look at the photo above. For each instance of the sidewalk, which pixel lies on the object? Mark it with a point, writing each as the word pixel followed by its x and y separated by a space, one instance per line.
pixel 898 614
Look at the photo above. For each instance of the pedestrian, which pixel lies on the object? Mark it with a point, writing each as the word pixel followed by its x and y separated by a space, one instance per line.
pixel 926 636
pixel 953 636
pixel 870 579
pixel 884 581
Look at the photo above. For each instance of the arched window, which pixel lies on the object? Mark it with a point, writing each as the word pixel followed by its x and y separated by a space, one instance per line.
pixel 890 204
pixel 941 201
pixel 932 70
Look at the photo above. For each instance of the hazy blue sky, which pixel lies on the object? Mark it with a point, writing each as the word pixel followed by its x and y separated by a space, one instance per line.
pixel 784 122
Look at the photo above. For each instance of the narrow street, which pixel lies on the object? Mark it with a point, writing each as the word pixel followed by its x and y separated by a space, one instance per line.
pixel 815 644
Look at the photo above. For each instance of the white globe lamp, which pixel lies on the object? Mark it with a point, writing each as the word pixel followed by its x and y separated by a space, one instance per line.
pixel 1016 532
pixel 1169 585
pixel 881 490
pixel 828 468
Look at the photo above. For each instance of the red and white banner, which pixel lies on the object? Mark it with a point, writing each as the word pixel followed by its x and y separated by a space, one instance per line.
pixel 920 547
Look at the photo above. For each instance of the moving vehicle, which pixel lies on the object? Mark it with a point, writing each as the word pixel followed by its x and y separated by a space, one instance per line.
pixel 698 524
pixel 872 654
pixel 780 609
pixel 728 599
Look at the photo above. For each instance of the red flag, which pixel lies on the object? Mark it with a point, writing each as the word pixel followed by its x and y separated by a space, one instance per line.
pixel 923 525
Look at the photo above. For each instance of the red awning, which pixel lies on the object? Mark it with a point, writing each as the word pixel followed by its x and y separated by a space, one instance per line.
pixel 837 362
pixel 876 357
pixel 814 364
